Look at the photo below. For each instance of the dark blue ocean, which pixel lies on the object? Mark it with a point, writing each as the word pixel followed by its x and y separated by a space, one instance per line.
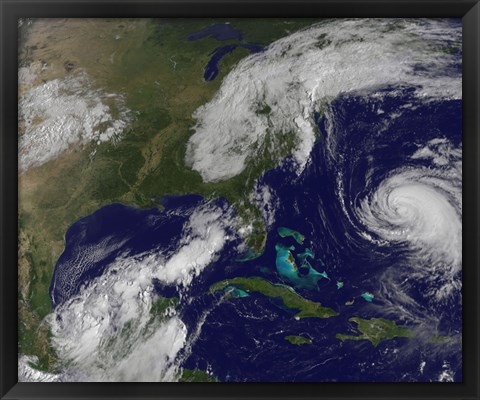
pixel 242 339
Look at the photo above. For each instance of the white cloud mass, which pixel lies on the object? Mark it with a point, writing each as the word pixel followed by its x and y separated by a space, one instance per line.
pixel 62 112
pixel 295 74
pixel 107 333
pixel 422 207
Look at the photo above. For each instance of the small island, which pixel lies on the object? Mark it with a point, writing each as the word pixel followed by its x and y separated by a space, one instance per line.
pixel 286 232
pixel 298 340
pixel 440 339
pixel 367 296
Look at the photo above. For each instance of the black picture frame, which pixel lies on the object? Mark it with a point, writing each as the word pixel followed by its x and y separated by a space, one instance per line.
pixel 11 10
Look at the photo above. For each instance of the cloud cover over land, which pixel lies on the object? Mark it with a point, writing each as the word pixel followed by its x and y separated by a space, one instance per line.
pixel 296 74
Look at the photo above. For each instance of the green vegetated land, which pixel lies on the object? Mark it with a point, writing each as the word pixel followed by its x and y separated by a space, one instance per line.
pixel 298 340
pixel 162 305
pixel 196 375
pixel 440 339
pixel 375 330
pixel 160 75
pixel 290 298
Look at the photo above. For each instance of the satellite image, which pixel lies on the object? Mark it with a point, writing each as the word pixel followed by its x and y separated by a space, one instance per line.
pixel 240 200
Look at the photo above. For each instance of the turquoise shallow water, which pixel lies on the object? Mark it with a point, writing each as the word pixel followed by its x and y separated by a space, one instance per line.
pixel 304 276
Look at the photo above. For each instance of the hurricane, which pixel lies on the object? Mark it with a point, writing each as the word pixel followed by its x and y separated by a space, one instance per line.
pixel 419 209
pixel 407 202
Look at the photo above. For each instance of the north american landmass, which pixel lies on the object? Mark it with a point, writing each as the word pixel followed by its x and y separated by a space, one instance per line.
pixel 132 57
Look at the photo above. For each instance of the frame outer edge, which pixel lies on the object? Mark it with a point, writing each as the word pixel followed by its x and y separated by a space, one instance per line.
pixel 8 200
pixel 7 204
pixel 471 195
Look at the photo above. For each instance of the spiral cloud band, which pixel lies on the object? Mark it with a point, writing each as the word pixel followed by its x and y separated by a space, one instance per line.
pixel 422 208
